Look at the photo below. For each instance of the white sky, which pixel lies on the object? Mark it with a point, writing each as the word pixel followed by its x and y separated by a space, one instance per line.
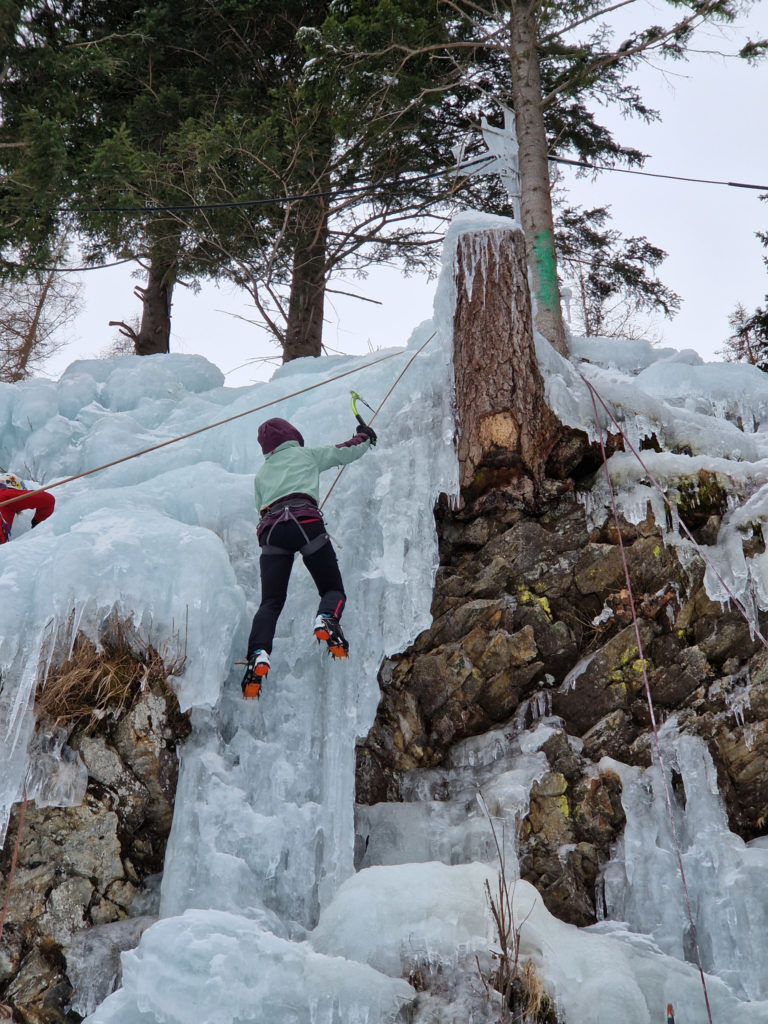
pixel 714 125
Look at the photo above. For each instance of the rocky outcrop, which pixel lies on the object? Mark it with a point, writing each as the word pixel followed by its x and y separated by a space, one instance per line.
pixel 90 869
pixel 531 616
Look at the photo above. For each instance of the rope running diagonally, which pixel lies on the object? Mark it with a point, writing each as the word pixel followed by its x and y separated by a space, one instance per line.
pixel 378 408
pixel 754 627
pixel 162 445
pixel 649 698
pixel 200 430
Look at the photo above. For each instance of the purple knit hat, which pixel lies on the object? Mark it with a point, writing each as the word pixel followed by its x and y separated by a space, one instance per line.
pixel 275 432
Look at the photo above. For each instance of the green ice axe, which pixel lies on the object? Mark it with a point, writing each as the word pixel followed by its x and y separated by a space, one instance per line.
pixel 355 399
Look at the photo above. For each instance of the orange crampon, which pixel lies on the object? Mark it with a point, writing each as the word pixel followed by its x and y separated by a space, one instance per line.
pixel 257 667
pixel 327 629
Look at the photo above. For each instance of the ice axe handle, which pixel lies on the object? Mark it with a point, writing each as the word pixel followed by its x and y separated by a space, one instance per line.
pixel 355 399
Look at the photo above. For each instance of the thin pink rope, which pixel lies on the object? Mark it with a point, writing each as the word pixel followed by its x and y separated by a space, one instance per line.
pixel 649 698
pixel 594 393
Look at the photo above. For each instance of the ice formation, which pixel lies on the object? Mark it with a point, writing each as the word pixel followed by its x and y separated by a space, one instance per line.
pixel 276 905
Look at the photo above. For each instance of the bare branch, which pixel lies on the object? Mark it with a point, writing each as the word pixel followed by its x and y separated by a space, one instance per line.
pixel 125 329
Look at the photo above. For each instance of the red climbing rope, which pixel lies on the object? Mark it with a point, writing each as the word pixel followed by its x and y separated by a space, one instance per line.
pixel 649 698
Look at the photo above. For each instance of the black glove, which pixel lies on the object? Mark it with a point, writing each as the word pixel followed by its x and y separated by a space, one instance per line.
pixel 369 432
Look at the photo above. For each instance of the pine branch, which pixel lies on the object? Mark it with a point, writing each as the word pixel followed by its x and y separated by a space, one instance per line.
pixel 583 21
pixel 627 52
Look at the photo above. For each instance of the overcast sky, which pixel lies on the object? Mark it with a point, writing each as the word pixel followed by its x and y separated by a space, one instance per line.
pixel 714 125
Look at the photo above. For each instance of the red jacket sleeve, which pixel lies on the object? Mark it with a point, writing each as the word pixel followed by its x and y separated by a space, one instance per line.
pixel 41 501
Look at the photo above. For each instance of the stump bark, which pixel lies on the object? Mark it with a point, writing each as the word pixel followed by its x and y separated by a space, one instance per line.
pixel 506 429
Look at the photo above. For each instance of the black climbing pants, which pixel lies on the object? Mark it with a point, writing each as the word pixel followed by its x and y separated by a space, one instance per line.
pixel 276 571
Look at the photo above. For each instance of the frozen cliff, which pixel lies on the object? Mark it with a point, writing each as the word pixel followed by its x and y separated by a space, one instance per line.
pixel 268 913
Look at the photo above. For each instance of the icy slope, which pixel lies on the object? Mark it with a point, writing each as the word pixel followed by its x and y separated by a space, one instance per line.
pixel 264 823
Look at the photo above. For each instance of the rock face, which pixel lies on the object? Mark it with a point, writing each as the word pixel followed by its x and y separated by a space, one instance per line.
pixel 532 616
pixel 82 869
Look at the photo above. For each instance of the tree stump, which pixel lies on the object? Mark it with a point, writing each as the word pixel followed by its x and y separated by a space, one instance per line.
pixel 506 430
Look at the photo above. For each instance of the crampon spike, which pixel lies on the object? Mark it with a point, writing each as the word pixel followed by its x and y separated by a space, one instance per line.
pixel 252 690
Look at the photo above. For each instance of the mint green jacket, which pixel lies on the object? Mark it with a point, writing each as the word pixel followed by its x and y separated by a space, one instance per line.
pixel 292 469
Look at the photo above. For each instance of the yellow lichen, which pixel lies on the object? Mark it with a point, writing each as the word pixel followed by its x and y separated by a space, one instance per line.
pixel 525 596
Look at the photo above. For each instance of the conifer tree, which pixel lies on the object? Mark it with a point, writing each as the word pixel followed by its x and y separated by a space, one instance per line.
pixel 146 113
pixel 555 62
pixel 748 340
pixel 174 122
pixel 614 277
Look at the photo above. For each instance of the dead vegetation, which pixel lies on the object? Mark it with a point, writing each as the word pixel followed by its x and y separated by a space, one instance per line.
pixel 91 680
pixel 524 998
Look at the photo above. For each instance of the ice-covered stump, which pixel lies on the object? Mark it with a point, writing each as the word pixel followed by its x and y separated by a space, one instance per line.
pixel 505 427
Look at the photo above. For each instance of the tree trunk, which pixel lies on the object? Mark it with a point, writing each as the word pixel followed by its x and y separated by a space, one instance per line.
pixel 536 201
pixel 31 337
pixel 506 430
pixel 155 331
pixel 304 330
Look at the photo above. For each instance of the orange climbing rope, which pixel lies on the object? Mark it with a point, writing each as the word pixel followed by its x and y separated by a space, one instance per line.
pixel 200 430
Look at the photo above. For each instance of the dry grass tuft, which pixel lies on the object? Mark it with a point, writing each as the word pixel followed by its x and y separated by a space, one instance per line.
pixel 524 998
pixel 534 1003
pixel 96 681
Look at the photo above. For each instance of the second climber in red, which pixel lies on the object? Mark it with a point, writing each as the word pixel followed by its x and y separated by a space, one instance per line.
pixel 20 498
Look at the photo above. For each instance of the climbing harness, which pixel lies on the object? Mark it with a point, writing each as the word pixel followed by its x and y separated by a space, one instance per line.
pixel 649 698
pixel 201 430
pixel 283 512
pixel 378 409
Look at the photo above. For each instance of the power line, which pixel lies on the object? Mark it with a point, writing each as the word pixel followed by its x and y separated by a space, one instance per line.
pixel 362 189
pixel 654 174
pixel 151 208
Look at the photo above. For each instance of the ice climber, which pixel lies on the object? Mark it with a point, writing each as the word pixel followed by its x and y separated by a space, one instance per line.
pixel 22 497
pixel 287 489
